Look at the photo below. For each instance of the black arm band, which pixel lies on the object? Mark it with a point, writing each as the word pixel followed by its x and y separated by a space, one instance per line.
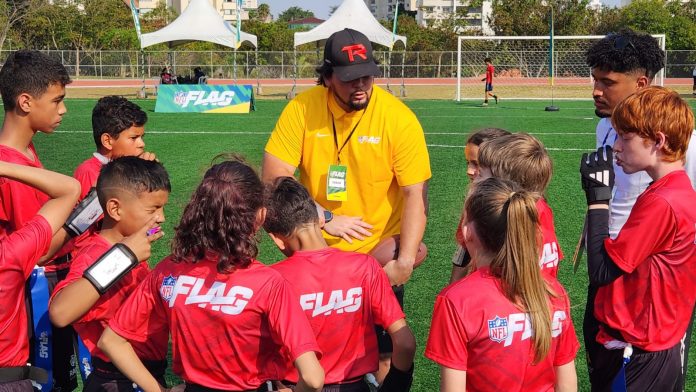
pixel 397 380
pixel 84 215
pixel 111 267
pixel 461 257
pixel 601 268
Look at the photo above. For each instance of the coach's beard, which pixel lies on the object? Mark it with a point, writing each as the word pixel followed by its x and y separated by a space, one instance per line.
pixel 352 105
pixel 601 114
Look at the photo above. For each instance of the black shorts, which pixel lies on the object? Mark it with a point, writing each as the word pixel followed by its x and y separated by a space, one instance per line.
pixel 647 370
pixel 384 342
pixel 16 386
pixel 105 377
pixel 489 87
pixel 355 386
pixel 64 353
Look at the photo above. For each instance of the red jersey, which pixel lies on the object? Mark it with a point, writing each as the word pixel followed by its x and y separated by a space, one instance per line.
pixel 551 253
pixel 19 252
pixel 229 331
pixel 87 174
pixel 650 304
pixel 92 324
pixel 20 202
pixel 343 294
pixel 490 70
pixel 475 328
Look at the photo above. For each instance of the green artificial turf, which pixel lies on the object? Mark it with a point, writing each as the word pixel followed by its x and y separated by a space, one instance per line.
pixel 186 144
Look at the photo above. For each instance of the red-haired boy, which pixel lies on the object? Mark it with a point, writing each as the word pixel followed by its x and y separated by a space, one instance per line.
pixel 645 275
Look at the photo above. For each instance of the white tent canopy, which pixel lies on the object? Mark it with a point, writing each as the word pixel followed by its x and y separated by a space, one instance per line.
pixel 199 22
pixel 352 14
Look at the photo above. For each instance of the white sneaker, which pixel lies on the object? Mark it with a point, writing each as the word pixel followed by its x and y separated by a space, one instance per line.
pixel 484 104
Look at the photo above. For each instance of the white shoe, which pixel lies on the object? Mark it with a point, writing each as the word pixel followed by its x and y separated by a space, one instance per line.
pixel 484 104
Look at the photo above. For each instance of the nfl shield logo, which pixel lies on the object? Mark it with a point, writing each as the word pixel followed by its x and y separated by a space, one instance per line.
pixel 180 98
pixel 167 287
pixel 498 329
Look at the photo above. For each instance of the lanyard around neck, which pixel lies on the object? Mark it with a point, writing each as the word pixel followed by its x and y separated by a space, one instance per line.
pixel 333 124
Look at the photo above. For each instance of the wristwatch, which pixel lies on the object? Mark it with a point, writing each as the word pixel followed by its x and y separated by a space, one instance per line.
pixel 328 216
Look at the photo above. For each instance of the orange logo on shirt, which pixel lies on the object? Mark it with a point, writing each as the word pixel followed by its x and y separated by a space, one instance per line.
pixel 355 50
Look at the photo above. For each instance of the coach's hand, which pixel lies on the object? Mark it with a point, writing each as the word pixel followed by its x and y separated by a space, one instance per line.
pixel 140 242
pixel 348 227
pixel 597 175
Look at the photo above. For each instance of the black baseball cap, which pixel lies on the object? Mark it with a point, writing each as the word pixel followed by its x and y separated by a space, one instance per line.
pixel 350 54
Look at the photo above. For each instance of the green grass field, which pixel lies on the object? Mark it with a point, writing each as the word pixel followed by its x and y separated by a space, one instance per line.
pixel 186 143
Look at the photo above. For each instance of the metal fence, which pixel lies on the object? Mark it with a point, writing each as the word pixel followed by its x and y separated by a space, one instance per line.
pixel 277 65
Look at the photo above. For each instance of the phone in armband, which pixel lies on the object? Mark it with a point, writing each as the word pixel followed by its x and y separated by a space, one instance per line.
pixel 84 215
pixel 111 267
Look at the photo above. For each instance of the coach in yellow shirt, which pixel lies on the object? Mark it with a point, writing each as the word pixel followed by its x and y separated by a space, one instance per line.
pixel 361 153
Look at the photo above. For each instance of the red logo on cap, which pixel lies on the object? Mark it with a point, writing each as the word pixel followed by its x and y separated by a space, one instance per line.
pixel 355 50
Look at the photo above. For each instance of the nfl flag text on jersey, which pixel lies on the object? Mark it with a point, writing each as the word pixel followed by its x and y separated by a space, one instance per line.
pixel 220 299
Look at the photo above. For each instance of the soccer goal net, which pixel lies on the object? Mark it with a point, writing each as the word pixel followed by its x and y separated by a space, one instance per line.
pixel 523 64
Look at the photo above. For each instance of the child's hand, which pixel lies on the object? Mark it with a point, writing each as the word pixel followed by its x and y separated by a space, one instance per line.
pixel 140 242
pixel 148 156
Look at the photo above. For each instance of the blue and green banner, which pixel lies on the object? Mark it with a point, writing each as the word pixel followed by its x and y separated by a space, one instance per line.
pixel 204 98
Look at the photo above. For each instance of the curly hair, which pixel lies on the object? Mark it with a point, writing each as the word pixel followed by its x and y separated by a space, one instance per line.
pixel 114 114
pixel 29 71
pixel 221 218
pixel 627 52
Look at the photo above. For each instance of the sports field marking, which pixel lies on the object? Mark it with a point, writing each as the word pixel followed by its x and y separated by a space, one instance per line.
pixel 548 148
pixel 464 133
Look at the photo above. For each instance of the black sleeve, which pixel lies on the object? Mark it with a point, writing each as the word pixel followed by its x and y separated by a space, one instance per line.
pixel 600 267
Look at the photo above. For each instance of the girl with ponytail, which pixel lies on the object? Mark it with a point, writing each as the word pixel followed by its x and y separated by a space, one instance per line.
pixel 505 326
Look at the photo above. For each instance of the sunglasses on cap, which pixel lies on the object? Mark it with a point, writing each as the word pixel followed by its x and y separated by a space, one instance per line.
pixel 621 42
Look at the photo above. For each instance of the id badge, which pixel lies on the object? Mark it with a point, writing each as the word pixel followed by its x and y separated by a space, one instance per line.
pixel 336 186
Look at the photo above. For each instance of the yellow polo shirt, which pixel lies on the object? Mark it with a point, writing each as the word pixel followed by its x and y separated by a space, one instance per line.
pixel 386 151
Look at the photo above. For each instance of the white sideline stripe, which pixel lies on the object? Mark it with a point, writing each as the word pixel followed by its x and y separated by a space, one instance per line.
pixel 269 132
pixel 548 148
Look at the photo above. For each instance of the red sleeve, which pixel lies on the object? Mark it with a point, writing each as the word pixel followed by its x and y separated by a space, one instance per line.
pixel 25 246
pixel 142 313
pixel 447 342
pixel 288 322
pixel 87 178
pixel 77 268
pixel 385 307
pixel 650 229
pixel 568 344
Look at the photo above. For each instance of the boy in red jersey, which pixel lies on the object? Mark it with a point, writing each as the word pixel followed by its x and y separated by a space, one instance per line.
pixel 645 275
pixel 233 321
pixel 19 252
pixel 488 91
pixel 523 159
pixel 118 128
pixel 343 294
pixel 461 259
pixel 33 91
pixel 506 326
pixel 133 193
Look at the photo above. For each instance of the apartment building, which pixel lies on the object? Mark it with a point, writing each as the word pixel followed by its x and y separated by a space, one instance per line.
pixel 384 9
pixel 430 12
pixel 226 8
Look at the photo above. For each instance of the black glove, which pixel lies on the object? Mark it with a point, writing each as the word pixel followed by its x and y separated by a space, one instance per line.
pixel 597 175
pixel 397 380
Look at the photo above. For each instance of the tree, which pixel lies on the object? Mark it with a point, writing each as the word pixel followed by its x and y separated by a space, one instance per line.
pixel 14 11
pixel 158 17
pixel 295 13
pixel 531 17
pixel 262 13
